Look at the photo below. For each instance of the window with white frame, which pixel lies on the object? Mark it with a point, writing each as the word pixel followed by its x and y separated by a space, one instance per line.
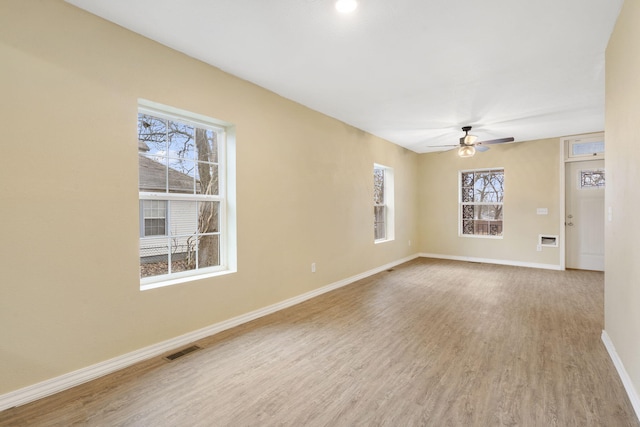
pixel 383 203
pixel 183 193
pixel 154 218
pixel 586 147
pixel 481 202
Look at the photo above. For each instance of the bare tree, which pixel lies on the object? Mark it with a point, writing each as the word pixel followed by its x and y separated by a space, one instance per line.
pixel 208 218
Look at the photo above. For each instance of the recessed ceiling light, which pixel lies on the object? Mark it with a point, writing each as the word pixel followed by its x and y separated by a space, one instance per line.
pixel 346 6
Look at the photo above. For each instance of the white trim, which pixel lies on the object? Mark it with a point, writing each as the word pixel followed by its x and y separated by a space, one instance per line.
pixel 493 261
pixel 563 190
pixel 634 397
pixel 63 382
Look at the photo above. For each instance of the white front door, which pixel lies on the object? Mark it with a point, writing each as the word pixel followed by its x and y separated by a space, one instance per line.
pixel 584 210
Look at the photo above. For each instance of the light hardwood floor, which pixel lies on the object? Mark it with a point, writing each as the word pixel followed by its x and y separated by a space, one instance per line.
pixel 431 343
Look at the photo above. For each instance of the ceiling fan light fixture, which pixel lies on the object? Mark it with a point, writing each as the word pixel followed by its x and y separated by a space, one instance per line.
pixel 346 6
pixel 469 139
pixel 466 151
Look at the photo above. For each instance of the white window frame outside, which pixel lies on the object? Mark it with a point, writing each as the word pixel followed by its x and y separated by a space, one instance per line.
pixel 225 196
pixel 461 205
pixel 388 203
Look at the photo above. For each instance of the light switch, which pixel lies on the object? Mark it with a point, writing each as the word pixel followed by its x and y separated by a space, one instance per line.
pixel 542 211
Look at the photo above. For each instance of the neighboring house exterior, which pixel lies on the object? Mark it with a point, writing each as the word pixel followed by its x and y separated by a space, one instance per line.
pixel 154 221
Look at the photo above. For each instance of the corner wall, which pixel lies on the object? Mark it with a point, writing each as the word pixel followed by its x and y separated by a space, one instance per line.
pixel 69 283
pixel 622 196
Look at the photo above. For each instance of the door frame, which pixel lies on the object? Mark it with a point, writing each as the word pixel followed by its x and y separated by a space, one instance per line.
pixel 565 143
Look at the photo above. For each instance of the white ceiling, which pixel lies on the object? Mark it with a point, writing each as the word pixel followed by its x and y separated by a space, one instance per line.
pixel 410 71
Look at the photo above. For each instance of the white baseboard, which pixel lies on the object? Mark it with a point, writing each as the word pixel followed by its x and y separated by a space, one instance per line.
pixel 634 397
pixel 493 261
pixel 72 379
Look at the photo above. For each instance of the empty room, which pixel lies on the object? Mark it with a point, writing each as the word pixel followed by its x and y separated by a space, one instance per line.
pixel 319 213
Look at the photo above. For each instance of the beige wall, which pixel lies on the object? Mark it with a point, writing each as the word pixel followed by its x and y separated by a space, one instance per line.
pixel 70 298
pixel 622 236
pixel 531 181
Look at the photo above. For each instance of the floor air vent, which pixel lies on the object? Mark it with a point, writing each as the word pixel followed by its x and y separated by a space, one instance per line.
pixel 181 353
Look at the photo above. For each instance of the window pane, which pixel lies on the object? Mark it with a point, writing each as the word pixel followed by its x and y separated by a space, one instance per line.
pixel 467 212
pixel 378 186
pixel 467 179
pixel 184 219
pixel 152 174
pixel 182 176
pixel 208 250
pixel 482 227
pixel 467 227
pixel 154 227
pixel 183 253
pixel 467 194
pixel 152 136
pixel 181 141
pixel 488 186
pixel 207 179
pixel 587 148
pixel 208 217
pixel 592 178
pixel 379 222
pixel 154 257
pixel 207 145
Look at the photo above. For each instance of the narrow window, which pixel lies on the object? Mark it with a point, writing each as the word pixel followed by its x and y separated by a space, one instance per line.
pixel 383 213
pixel 481 202
pixel 586 148
pixel 183 197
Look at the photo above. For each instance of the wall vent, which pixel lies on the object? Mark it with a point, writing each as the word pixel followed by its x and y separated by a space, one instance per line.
pixel 181 353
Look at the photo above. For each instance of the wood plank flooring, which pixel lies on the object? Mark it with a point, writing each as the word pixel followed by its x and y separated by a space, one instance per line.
pixel 431 343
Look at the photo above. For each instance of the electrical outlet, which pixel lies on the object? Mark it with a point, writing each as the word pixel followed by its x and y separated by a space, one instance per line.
pixel 539 248
pixel 313 267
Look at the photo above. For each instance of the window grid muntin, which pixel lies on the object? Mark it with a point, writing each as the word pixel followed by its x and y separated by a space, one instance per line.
pixel 467 203
pixel 168 196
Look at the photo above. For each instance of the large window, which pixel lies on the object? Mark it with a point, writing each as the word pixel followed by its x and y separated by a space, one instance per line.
pixel 383 214
pixel 481 202
pixel 183 198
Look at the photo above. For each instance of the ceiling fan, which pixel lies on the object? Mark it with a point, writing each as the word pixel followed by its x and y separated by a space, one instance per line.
pixel 468 145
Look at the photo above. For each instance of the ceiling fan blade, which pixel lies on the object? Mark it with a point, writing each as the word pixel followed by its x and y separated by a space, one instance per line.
pixel 448 146
pixel 481 148
pixel 496 141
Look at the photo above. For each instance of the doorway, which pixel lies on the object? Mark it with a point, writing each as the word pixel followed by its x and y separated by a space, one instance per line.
pixel 584 209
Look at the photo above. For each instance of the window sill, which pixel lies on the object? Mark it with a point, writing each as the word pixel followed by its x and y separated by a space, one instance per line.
pixel 145 286
pixel 481 236
pixel 375 242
